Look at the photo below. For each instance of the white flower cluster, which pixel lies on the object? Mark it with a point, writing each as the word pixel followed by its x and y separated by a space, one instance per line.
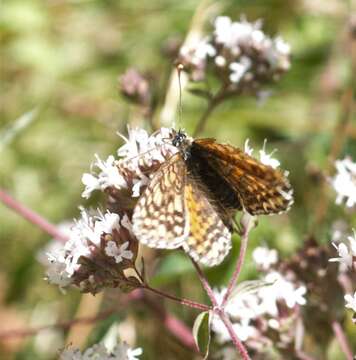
pixel 138 157
pixel 239 51
pixel 99 352
pixel 244 308
pixel 344 182
pixel 347 253
pixel 84 238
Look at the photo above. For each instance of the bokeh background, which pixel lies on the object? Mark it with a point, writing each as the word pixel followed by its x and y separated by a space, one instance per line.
pixel 60 104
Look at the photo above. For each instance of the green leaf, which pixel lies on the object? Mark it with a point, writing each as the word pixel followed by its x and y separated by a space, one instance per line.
pixel 249 287
pixel 201 93
pixel 201 332
pixel 17 127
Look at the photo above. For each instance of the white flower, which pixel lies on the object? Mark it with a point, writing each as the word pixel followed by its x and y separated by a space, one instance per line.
pixel 203 50
pixel 57 269
pixel 239 69
pixel 135 144
pixel 267 158
pixel 345 256
pixel 244 330
pixel 243 305
pixel 140 152
pixel 54 245
pixel 197 53
pixel 281 289
pixel 248 150
pixel 344 182
pixel 108 176
pixel 232 34
pixel 84 235
pixel 220 61
pixel 133 353
pixel 106 223
pixel 63 262
pixel 223 30
pixel 265 257
pixel 296 296
pixel 99 352
pixel 137 155
pixel 350 301
pixel 122 351
pixel 119 253
pixel 282 46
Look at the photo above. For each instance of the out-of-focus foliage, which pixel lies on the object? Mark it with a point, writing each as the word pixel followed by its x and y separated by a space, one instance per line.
pixel 63 59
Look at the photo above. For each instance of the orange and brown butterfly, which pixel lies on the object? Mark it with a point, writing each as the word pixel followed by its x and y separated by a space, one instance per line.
pixel 192 198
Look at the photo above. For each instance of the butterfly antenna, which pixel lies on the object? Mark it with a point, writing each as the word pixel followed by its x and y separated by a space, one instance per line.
pixel 180 67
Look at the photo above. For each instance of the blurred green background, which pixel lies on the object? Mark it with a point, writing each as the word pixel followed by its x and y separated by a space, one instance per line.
pixel 60 61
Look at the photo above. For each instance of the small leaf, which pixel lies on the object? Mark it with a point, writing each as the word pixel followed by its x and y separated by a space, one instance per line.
pixel 17 127
pixel 249 287
pixel 201 332
pixel 201 93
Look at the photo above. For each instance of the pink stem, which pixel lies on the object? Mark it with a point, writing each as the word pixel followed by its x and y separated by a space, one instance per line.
pixel 31 216
pixel 219 310
pixel 206 284
pixel 240 261
pixel 182 301
pixel 238 344
pixel 180 331
pixel 341 338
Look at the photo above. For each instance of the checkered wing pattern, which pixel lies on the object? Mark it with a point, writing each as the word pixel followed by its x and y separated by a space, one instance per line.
pixel 209 240
pixel 159 218
pixel 261 189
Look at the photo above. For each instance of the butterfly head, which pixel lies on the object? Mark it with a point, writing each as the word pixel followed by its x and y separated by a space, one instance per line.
pixel 182 141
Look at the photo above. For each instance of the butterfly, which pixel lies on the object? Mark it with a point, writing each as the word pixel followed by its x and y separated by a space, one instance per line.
pixel 191 200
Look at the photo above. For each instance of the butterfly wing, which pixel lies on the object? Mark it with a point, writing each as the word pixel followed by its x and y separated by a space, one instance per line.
pixel 209 240
pixel 260 188
pixel 159 218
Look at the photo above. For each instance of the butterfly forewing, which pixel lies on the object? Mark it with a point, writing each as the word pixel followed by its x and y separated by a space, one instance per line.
pixel 260 188
pixel 159 218
pixel 209 240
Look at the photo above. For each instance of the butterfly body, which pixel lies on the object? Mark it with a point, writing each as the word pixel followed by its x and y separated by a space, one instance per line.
pixel 191 199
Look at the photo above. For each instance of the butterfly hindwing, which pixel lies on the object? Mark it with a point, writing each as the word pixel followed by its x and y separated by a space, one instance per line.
pixel 209 240
pixel 159 218
pixel 261 189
